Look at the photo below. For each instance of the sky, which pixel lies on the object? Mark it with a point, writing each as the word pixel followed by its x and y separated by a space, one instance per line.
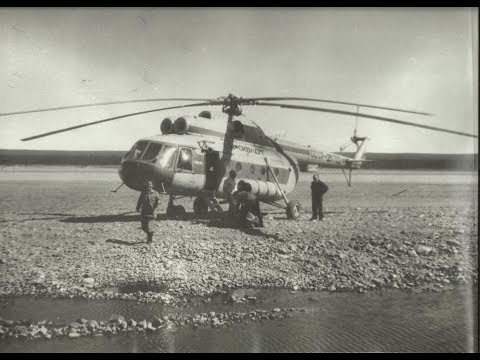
pixel 425 59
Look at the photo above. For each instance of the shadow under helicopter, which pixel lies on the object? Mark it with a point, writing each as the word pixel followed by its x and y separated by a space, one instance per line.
pixel 130 217
pixel 123 217
pixel 211 220
pixel 226 222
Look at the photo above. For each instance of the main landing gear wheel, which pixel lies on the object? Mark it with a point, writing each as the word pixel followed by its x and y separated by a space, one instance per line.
pixel 179 211
pixel 293 209
pixel 175 211
pixel 200 206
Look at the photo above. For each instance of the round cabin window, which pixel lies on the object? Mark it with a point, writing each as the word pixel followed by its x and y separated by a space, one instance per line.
pixel 238 167
pixel 276 172
pixel 252 169
pixel 262 170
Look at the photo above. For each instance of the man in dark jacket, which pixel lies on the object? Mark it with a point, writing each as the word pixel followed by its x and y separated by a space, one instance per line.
pixel 318 189
pixel 249 208
pixel 147 204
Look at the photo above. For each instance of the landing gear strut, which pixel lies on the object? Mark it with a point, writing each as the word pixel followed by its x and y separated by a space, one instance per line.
pixel 293 207
pixel 174 211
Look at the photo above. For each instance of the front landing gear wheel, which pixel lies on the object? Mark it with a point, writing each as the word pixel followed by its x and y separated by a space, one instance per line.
pixel 293 209
pixel 200 206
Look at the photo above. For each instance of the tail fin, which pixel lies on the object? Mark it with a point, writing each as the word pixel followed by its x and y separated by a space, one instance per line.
pixel 358 159
pixel 362 148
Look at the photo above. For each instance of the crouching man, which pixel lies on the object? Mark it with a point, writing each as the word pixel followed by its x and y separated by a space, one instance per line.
pixel 249 208
pixel 147 204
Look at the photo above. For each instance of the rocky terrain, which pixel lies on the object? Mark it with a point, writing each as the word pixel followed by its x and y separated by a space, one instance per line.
pixel 74 238
pixel 353 249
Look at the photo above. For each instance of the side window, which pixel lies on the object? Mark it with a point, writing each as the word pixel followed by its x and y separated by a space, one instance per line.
pixel 167 156
pixel 262 170
pixel 185 159
pixel 252 169
pixel 276 172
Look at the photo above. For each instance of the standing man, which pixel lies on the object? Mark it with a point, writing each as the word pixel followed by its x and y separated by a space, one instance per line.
pixel 229 187
pixel 148 203
pixel 319 188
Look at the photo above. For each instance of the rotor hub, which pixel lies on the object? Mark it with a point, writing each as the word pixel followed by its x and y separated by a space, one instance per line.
pixel 232 105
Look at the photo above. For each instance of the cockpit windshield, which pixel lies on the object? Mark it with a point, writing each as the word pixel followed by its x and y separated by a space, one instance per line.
pixel 151 154
pixel 164 155
pixel 136 151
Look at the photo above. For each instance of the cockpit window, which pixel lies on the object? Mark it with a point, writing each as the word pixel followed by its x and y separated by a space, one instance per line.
pixel 136 151
pixel 185 159
pixel 152 152
pixel 167 156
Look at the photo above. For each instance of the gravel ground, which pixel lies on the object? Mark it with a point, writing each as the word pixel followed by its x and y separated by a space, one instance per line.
pixel 75 238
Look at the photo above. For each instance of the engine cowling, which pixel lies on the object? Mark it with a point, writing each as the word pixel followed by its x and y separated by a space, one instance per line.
pixel 237 129
pixel 205 114
pixel 166 127
pixel 180 126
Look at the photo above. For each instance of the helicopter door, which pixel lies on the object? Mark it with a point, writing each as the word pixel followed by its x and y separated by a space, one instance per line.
pixel 212 170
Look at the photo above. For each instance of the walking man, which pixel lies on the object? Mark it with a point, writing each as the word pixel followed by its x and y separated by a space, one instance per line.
pixel 147 204
pixel 319 188
pixel 229 187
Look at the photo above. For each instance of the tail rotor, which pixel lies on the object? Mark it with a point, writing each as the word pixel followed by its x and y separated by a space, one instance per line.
pixel 354 139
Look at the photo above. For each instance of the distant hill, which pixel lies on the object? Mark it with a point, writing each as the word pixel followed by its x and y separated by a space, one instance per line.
pixel 60 157
pixel 414 161
pixel 410 161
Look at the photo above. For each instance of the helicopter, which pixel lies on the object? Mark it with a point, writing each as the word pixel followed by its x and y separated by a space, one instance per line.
pixel 193 153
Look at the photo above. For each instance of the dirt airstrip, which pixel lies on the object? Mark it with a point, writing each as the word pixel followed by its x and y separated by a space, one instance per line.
pixel 70 236
pixel 64 234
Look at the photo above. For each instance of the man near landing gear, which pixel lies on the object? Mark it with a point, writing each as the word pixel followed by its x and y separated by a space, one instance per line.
pixel 147 204
pixel 319 188
pixel 229 187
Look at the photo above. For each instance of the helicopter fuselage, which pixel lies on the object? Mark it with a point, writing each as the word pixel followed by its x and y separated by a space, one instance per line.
pixel 195 160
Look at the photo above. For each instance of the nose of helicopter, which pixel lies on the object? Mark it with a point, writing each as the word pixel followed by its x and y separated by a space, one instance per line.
pixel 135 173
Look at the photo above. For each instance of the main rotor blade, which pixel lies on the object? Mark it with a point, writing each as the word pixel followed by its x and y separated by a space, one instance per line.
pixel 110 119
pixel 341 112
pixel 336 102
pixel 100 104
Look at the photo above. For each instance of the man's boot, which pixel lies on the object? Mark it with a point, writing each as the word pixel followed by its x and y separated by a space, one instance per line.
pixel 150 237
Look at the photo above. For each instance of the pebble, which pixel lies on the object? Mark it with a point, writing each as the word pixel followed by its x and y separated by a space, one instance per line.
pixel 453 243
pixel 423 250
pixel 412 253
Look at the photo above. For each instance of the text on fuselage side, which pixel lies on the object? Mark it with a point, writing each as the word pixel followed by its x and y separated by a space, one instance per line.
pixel 329 158
pixel 248 149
